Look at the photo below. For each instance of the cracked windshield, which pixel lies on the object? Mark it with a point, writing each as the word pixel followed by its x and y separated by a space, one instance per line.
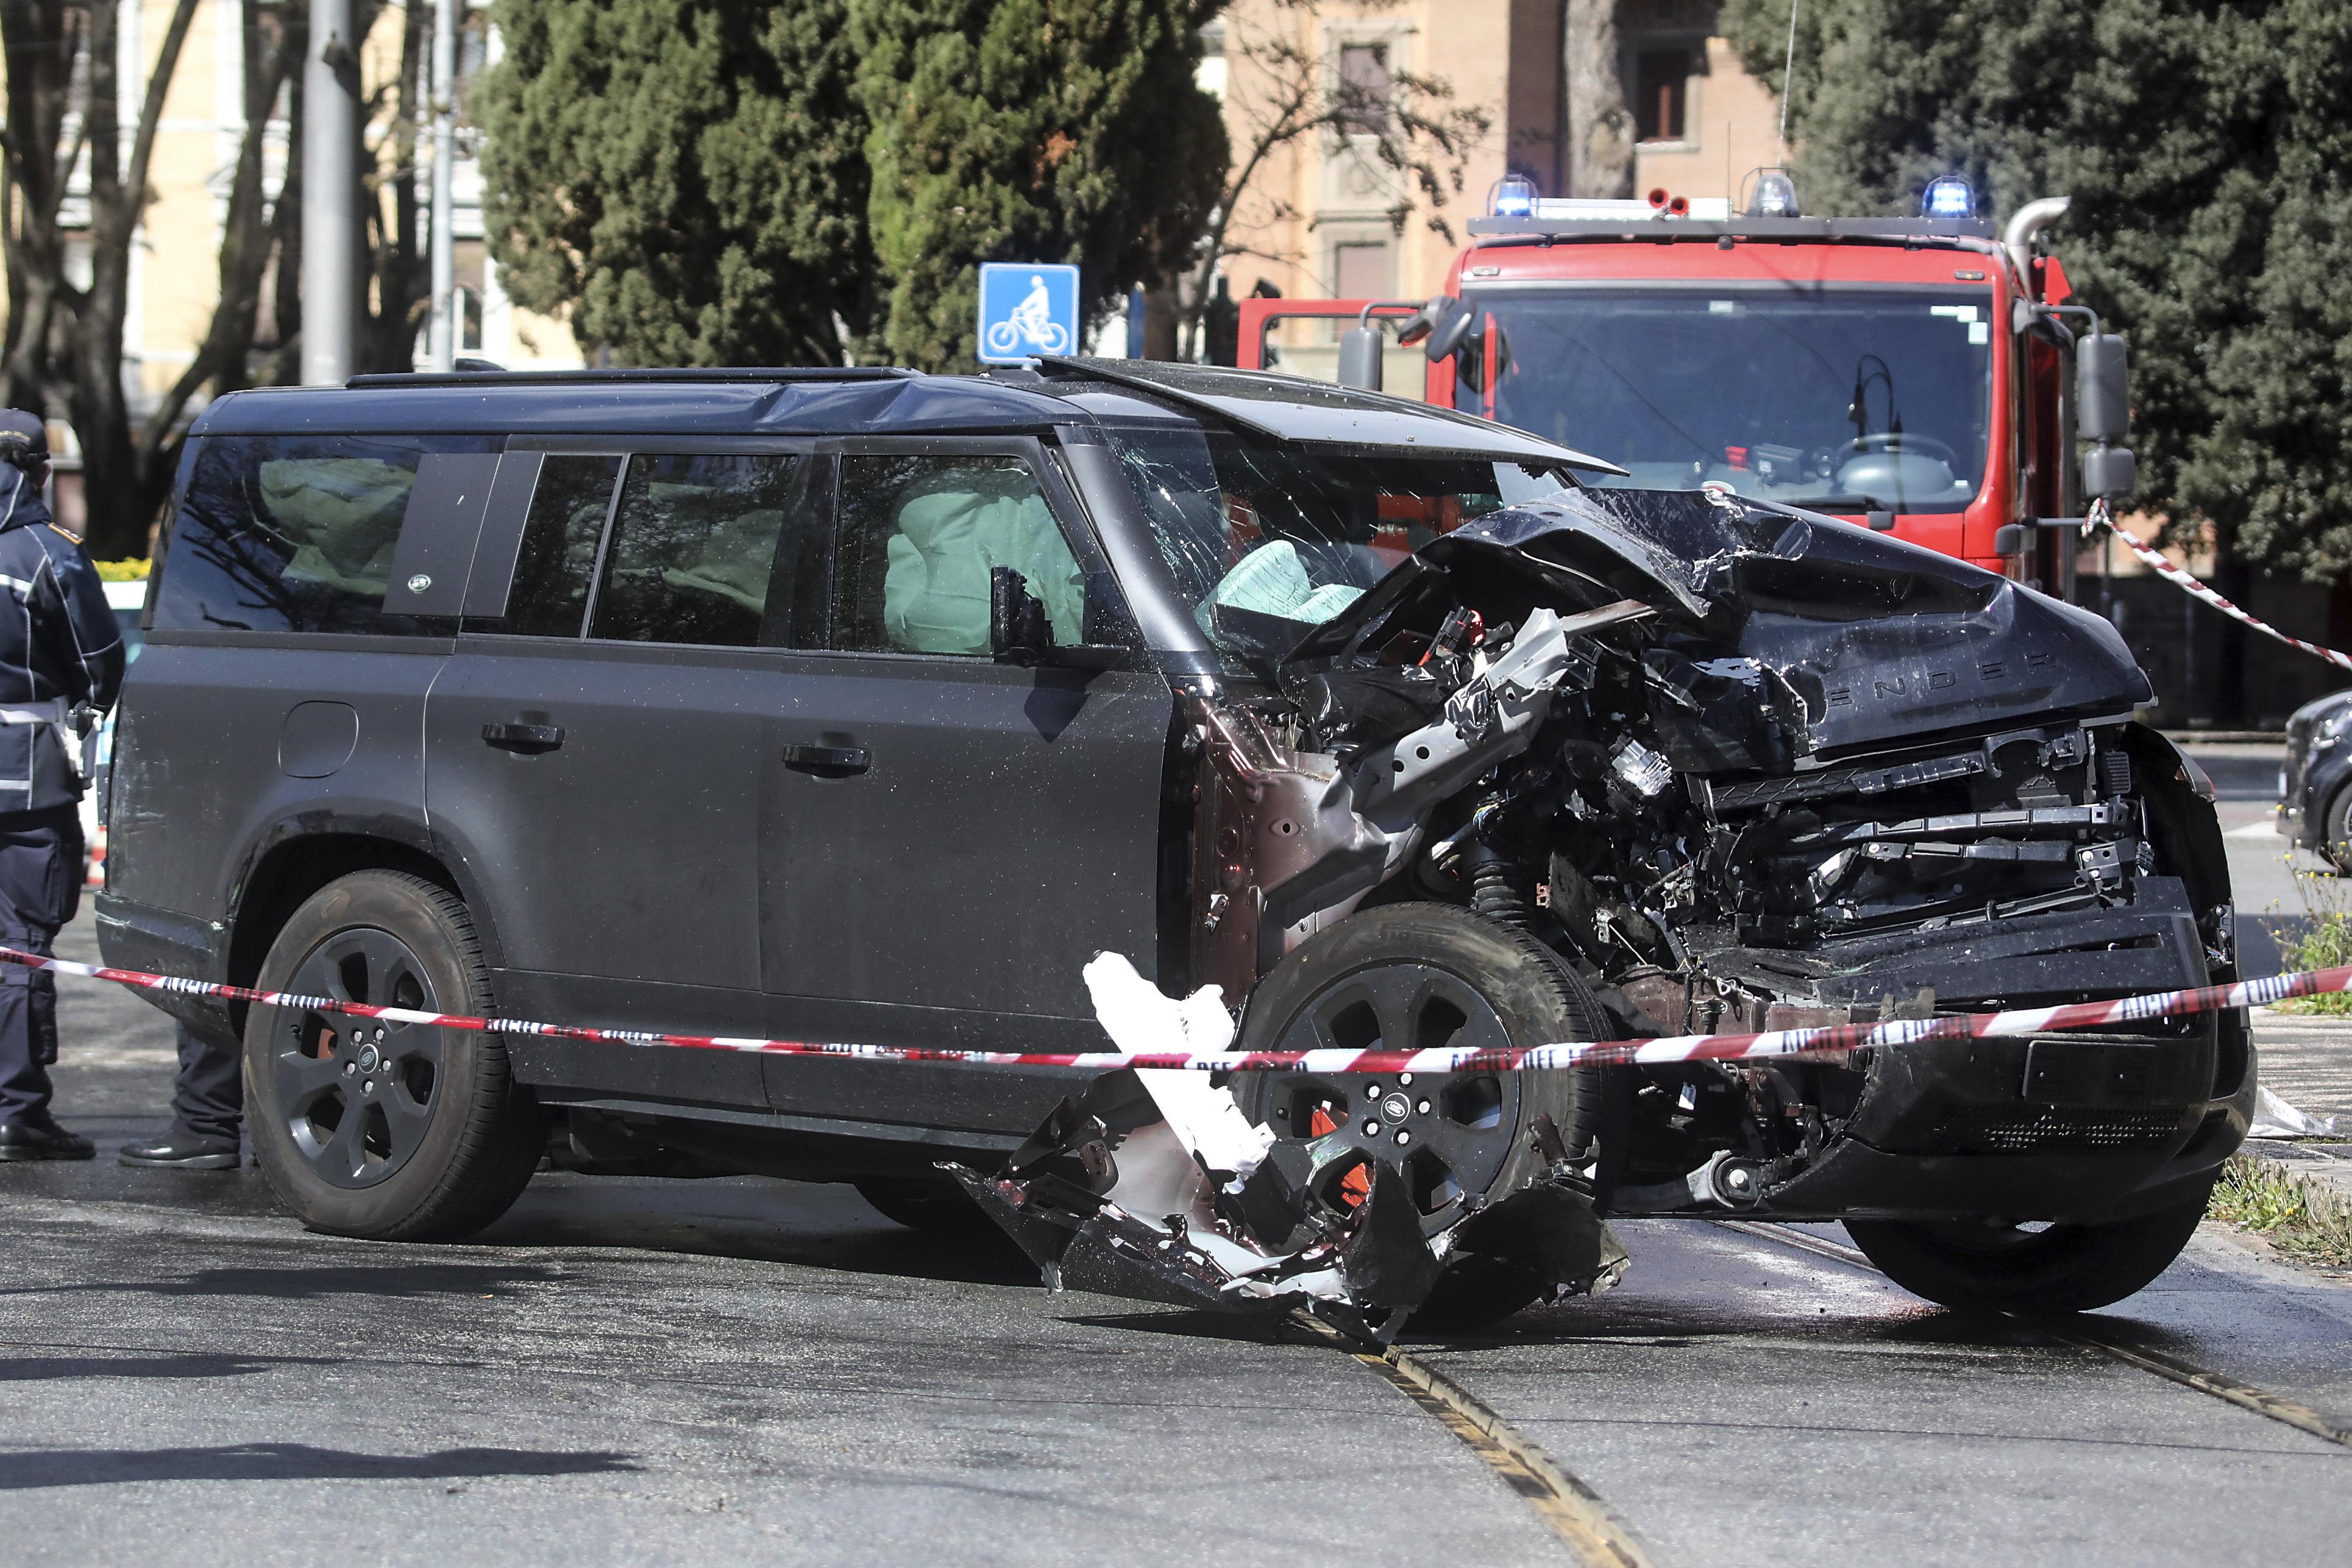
pixel 1848 402
pixel 1268 540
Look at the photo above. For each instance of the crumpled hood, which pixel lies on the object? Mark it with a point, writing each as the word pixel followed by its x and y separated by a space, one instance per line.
pixel 1880 640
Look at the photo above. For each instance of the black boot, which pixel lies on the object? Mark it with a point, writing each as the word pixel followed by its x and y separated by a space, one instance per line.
pixel 39 1138
pixel 183 1151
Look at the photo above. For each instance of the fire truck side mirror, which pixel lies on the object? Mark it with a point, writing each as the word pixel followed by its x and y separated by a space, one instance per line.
pixel 2103 414
pixel 1450 320
pixel 1359 358
pixel 2109 472
pixel 2101 388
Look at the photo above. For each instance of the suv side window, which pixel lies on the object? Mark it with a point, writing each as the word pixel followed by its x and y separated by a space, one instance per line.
pixel 559 535
pixel 281 533
pixel 918 536
pixel 694 549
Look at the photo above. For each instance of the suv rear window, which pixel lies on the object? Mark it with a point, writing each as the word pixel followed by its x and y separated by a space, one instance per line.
pixel 294 533
pixel 693 548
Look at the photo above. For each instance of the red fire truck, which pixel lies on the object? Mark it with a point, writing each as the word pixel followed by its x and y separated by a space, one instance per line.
pixel 1904 374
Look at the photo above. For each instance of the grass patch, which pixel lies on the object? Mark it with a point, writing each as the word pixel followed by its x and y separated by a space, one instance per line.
pixel 2326 944
pixel 2257 1195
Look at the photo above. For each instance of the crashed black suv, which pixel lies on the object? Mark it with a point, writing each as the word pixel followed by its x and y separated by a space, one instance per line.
pixel 867 707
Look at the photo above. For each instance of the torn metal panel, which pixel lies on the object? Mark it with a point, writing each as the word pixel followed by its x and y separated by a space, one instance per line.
pixel 1130 1189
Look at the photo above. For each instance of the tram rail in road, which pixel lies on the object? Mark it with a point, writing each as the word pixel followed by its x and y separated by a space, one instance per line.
pixel 1585 1524
pixel 2220 1385
pixel 1597 1536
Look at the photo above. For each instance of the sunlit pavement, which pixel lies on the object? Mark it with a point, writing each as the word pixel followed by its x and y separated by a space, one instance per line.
pixel 640 1370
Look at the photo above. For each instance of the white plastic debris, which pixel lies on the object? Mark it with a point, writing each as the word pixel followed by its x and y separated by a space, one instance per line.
pixel 2274 1118
pixel 1138 1017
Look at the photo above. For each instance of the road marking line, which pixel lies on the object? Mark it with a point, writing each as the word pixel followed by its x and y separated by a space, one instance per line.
pixel 1573 1511
pixel 2220 1385
pixel 2256 830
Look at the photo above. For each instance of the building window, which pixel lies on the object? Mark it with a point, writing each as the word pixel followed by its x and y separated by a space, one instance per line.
pixel 1362 271
pixel 1365 90
pixel 1661 93
pixel 466 309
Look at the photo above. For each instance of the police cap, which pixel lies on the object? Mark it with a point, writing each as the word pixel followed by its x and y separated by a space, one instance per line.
pixel 24 437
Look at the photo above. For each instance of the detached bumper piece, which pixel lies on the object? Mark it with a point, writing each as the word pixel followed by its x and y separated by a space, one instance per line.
pixel 1153 1186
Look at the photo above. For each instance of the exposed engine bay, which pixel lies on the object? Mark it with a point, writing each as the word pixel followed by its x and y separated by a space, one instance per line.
pixel 1729 767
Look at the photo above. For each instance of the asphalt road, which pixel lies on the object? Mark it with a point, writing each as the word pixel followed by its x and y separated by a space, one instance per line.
pixel 639 1372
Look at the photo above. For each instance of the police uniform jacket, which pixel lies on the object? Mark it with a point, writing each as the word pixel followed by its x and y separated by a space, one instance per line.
pixel 59 648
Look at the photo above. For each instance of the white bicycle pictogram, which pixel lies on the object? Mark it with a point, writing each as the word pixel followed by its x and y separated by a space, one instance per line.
pixel 1031 323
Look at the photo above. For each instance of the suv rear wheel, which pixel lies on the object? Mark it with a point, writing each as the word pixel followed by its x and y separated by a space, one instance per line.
pixel 366 1128
pixel 1411 976
pixel 1988 1267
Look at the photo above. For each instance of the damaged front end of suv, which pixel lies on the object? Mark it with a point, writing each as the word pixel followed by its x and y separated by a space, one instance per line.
pixel 1610 763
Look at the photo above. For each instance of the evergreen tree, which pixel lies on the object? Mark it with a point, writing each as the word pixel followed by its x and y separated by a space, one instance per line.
pixel 686 177
pixel 1029 130
pixel 2205 145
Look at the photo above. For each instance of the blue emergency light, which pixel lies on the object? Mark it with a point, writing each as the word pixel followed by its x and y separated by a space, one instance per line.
pixel 1947 196
pixel 1774 196
pixel 1512 197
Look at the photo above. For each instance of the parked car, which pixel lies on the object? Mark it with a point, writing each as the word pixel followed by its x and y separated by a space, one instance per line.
pixel 2314 808
pixel 863 705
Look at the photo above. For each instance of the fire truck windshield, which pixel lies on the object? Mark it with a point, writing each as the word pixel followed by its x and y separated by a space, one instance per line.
pixel 1850 398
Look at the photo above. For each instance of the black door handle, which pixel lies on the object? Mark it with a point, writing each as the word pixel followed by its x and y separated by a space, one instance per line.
pixel 827 761
pixel 530 740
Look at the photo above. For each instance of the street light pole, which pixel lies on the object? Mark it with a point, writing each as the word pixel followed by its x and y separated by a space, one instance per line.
pixel 444 339
pixel 331 194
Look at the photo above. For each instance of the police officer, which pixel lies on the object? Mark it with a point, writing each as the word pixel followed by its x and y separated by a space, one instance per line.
pixel 59 651
pixel 207 1109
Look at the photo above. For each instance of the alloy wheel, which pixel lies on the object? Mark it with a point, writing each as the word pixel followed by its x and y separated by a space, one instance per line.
pixel 358 1094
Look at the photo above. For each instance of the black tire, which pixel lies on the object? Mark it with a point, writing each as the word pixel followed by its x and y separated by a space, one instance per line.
pixel 1416 975
pixel 2336 832
pixel 935 1207
pixel 395 1132
pixel 1974 1267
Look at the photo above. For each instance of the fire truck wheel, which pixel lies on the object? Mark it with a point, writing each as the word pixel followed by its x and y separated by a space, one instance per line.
pixel 366 1128
pixel 1980 1266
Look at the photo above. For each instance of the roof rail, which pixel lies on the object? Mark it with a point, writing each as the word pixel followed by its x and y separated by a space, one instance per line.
pixel 593 378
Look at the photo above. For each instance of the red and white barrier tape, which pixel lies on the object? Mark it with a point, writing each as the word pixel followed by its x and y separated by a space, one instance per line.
pixel 1833 1039
pixel 2166 569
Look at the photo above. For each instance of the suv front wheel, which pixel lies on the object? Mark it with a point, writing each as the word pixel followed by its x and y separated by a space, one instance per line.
pixel 371 1128
pixel 1987 1265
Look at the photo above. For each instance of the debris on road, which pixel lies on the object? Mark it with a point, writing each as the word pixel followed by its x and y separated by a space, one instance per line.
pixel 2274 1118
pixel 1152 1184
pixel 1155 1185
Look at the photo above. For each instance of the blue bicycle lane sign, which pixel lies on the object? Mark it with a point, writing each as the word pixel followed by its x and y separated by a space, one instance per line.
pixel 1026 310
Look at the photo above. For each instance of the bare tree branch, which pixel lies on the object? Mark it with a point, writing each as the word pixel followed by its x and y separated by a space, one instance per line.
pixel 1289 97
